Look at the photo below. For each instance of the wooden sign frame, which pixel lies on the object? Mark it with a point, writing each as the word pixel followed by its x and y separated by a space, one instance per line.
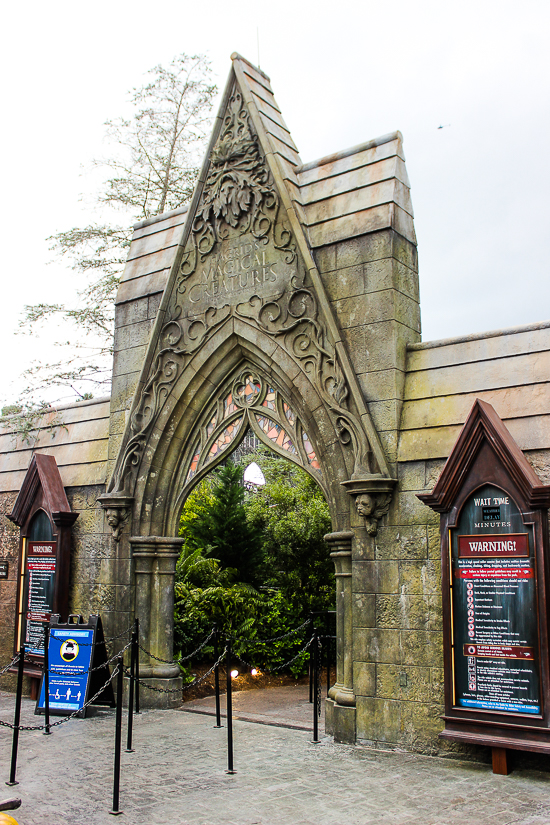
pixel 486 454
pixel 42 490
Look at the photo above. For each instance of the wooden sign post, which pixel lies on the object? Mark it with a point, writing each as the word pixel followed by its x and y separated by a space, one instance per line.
pixel 494 551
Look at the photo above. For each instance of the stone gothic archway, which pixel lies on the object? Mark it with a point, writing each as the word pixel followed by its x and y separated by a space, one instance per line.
pixel 245 335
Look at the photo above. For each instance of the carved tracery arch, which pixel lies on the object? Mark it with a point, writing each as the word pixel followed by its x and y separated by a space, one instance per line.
pixel 248 401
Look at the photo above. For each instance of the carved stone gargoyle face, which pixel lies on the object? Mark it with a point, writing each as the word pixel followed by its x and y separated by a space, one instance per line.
pixel 365 505
pixel 116 519
pixel 372 508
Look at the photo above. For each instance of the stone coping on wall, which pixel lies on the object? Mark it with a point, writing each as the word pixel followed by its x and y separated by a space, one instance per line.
pixel 508 368
pixel 478 336
pixel 75 433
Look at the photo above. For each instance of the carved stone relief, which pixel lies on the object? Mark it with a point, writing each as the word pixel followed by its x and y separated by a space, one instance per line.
pixel 240 259
pixel 372 508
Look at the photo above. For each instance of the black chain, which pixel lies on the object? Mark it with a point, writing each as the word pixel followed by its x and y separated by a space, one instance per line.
pixel 66 718
pixel 207 674
pixel 279 667
pixel 190 655
pixel 184 687
pixel 10 664
pixel 183 658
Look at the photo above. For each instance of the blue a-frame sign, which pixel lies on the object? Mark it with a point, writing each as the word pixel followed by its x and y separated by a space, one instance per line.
pixel 77 667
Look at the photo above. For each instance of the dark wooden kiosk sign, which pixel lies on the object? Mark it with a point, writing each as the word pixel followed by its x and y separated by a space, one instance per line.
pixel 45 519
pixel 494 549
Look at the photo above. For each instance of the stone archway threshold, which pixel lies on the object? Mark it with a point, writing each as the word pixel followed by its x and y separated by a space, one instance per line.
pixel 283 707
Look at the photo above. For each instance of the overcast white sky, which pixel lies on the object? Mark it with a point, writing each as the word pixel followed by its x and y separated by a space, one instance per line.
pixel 342 73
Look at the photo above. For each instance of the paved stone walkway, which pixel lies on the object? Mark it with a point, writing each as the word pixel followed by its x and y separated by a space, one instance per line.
pixel 177 777
pixel 287 707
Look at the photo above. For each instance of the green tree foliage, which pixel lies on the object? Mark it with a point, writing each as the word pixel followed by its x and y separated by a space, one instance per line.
pixel 152 169
pixel 287 519
pixel 206 594
pixel 220 527
pixel 292 516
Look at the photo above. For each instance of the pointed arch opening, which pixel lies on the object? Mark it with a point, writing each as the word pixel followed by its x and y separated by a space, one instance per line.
pixel 261 574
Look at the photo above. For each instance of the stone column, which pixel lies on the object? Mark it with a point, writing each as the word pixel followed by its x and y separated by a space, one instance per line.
pixel 340 706
pixel 155 566
pixel 342 690
pixel 143 567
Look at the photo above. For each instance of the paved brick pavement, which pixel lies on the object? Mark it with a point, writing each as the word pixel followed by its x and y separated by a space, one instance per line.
pixel 287 707
pixel 176 777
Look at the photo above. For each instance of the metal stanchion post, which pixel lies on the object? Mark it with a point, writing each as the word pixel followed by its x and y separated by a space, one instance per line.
pixel 328 642
pixel 136 631
pixel 17 716
pixel 217 679
pixel 118 739
pixel 129 748
pixel 229 711
pixel 47 730
pixel 310 670
pixel 315 686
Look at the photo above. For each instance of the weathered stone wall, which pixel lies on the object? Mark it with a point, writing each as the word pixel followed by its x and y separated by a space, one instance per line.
pixel 77 436
pixel 154 244
pixel 9 543
pixel 398 666
pixel 397 634
pixel 93 573
pixel 372 284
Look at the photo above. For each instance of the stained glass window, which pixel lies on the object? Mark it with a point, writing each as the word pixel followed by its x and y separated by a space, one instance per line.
pixel 310 452
pixel 270 400
pixel 194 464
pixel 249 390
pixel 276 433
pixel 229 405
pixel 212 425
pixel 289 413
pixel 225 438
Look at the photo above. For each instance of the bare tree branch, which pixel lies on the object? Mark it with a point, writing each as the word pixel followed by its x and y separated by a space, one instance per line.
pixel 153 168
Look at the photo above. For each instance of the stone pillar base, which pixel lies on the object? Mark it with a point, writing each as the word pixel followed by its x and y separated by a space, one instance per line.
pixel 329 717
pixel 154 699
pixel 340 722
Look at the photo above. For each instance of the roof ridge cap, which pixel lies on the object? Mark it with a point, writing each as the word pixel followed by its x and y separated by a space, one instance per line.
pixel 353 150
pixel 163 216
pixel 237 56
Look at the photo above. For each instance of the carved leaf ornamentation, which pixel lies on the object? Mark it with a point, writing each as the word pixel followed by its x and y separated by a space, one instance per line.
pixel 238 194
pixel 293 316
pixel 168 365
pixel 239 198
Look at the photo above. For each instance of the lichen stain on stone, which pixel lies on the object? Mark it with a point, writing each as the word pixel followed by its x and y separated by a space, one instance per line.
pixel 374 649
pixel 404 605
